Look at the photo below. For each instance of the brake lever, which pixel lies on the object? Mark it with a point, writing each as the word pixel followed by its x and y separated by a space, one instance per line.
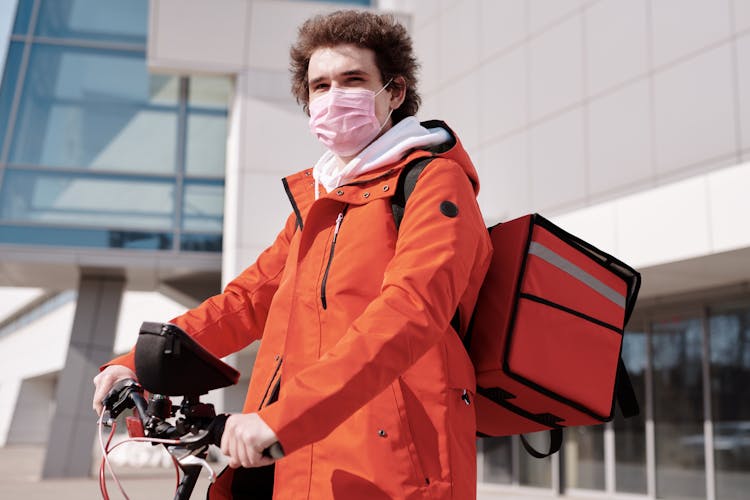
pixel 118 398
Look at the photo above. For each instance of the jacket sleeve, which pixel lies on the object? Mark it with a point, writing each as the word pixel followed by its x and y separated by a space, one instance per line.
pixel 436 257
pixel 227 322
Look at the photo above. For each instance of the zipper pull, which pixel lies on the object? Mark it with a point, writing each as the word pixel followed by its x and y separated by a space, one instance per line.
pixel 465 397
pixel 338 226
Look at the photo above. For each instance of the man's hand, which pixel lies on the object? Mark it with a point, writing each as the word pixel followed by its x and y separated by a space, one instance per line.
pixel 104 381
pixel 245 437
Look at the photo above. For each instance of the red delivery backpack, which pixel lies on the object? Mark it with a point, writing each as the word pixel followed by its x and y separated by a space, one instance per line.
pixel 546 334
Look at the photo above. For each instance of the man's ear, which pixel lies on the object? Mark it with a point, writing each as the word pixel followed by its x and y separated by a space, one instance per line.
pixel 398 92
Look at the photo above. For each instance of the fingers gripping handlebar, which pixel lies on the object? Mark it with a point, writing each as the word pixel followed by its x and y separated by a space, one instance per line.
pixel 200 421
pixel 216 431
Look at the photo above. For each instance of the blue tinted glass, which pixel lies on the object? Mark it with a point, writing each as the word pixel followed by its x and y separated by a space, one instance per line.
pixel 23 16
pixel 96 109
pixel 87 200
pixel 100 20
pixel 74 237
pixel 10 77
pixel 201 242
pixel 206 146
pixel 203 207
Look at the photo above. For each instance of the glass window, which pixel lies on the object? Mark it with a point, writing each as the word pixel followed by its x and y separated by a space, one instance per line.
pixel 730 378
pixel 95 109
pixel 87 200
pixel 209 92
pixel 677 348
pixel 75 237
pixel 96 20
pixel 7 90
pixel 630 433
pixel 498 459
pixel 201 242
pixel 206 144
pixel 584 457
pixel 23 17
pixel 203 207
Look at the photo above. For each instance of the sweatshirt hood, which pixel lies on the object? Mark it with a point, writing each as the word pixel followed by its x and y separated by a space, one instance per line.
pixel 404 137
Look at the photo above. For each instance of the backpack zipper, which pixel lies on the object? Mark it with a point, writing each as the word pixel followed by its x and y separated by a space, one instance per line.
pixel 340 218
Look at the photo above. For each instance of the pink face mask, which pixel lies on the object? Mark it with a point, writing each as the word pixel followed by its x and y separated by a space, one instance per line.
pixel 344 120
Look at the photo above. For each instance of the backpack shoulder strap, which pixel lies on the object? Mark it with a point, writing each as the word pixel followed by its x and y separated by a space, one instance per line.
pixel 407 181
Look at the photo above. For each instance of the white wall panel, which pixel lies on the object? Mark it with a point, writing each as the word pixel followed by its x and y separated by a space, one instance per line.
pixel 504 179
pixel 459 38
pixel 502 24
pixel 503 95
pixel 741 10
pixel 616 43
pixel 263 208
pixel 729 208
pixel 681 27
pixel 270 128
pixel 555 74
pixel 743 83
pixel 619 144
pixel 596 224
pixel 557 161
pixel 427 41
pixel 268 41
pixel 664 225
pixel 205 38
pixel 422 11
pixel 460 109
pixel 542 13
pixel 430 108
pixel 694 111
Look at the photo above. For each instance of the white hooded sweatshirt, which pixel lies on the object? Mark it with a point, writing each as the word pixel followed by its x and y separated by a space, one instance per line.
pixel 405 136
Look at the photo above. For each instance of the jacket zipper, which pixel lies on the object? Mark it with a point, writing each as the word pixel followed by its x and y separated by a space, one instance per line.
pixel 340 218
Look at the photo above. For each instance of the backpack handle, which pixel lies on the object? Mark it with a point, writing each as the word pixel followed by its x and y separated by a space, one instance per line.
pixel 555 442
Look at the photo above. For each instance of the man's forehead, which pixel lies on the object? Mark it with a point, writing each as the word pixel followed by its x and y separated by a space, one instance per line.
pixel 341 59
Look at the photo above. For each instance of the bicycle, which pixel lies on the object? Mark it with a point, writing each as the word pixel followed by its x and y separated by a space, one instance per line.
pixel 170 363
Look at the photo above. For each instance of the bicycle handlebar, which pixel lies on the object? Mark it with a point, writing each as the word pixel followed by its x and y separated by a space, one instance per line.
pixel 127 393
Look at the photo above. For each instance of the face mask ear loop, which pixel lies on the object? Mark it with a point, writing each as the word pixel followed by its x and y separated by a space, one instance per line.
pixel 385 121
pixel 389 112
pixel 384 87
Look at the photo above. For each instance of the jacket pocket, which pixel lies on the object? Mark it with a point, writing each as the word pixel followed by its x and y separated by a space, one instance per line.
pixel 420 475
pixel 274 384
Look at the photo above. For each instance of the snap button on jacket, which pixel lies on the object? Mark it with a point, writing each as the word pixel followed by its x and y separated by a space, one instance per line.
pixel 359 371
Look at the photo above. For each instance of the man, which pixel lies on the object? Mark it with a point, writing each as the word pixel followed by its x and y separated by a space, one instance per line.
pixel 360 376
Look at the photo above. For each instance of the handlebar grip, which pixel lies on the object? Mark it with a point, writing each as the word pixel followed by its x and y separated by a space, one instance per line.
pixel 274 451
pixel 216 430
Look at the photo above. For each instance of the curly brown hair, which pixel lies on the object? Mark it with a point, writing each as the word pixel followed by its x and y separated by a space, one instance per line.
pixel 381 33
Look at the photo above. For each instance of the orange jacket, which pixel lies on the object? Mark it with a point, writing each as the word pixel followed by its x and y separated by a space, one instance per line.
pixel 359 372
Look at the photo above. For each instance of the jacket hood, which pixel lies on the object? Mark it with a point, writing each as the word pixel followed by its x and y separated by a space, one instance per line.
pixel 452 149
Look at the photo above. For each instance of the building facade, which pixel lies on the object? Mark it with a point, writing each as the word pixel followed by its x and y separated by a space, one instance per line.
pixel 625 122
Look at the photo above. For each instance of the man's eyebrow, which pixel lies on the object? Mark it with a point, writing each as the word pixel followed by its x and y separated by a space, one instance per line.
pixel 351 72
